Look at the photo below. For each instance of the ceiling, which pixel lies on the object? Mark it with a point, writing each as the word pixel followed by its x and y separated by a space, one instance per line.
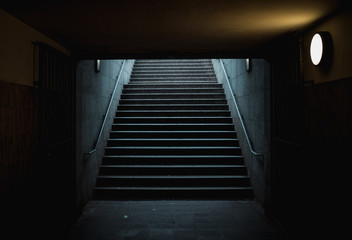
pixel 169 28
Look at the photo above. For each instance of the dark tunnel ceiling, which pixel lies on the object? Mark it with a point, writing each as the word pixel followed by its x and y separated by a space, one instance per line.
pixel 108 28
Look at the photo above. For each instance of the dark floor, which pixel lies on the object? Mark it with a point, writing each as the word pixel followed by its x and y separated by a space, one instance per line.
pixel 174 220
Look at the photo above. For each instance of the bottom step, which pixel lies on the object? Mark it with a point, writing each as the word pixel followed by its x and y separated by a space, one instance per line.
pixel 146 193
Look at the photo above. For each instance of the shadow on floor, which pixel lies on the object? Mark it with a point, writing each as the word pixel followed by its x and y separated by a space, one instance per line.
pixel 174 220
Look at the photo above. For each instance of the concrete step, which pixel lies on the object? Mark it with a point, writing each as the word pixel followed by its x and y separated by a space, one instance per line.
pixel 150 193
pixel 172 82
pixel 175 85
pixel 173 134
pixel 172 95
pixel 141 150
pixel 179 73
pixel 171 90
pixel 173 160
pixel 159 61
pixel 173 127
pixel 173 107
pixel 150 77
pixel 172 66
pixel 172 113
pixel 175 78
pixel 172 142
pixel 174 101
pixel 133 169
pixel 198 62
pixel 172 181
pixel 172 71
pixel 172 120
pixel 139 68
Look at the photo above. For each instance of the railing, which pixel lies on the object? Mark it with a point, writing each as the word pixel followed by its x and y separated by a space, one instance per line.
pixel 107 111
pixel 239 114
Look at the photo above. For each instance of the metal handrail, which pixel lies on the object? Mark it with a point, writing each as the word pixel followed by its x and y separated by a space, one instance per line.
pixel 107 111
pixel 239 114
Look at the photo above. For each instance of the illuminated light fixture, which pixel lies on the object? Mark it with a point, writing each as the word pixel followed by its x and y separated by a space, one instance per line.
pixel 248 64
pixel 316 49
pixel 97 65
pixel 321 49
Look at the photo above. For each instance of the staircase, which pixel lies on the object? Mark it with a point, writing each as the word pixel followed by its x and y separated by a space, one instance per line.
pixel 173 137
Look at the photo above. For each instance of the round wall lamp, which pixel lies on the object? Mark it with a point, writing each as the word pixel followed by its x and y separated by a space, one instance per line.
pixel 321 49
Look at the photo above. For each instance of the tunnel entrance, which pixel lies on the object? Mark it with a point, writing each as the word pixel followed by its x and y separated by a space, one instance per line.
pixel 173 137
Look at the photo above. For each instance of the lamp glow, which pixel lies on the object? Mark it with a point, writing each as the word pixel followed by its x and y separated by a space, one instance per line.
pixel 248 64
pixel 316 49
pixel 97 65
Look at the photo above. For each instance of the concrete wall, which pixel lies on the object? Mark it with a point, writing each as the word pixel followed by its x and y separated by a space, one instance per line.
pixel 252 91
pixel 94 90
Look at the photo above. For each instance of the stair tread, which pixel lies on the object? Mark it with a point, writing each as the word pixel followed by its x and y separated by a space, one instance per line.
pixel 173 99
pixel 157 117
pixel 168 88
pixel 176 188
pixel 172 105
pixel 173 147
pixel 172 124
pixel 175 70
pixel 173 156
pixel 171 166
pixel 173 82
pixel 172 176
pixel 172 139
pixel 181 69
pixel 176 99
pixel 177 78
pixel 174 94
pixel 173 110
pixel 174 73
pixel 173 131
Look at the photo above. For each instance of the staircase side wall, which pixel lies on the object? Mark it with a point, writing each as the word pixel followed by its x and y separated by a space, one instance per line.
pixel 94 91
pixel 252 92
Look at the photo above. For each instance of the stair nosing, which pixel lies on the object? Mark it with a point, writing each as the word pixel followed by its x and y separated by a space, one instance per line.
pixel 173 166
pixel 210 110
pixel 173 156
pixel 160 82
pixel 212 117
pixel 167 88
pixel 176 83
pixel 173 132
pixel 172 124
pixel 173 147
pixel 173 176
pixel 175 188
pixel 173 139
pixel 175 105
pixel 183 94
pixel 176 99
